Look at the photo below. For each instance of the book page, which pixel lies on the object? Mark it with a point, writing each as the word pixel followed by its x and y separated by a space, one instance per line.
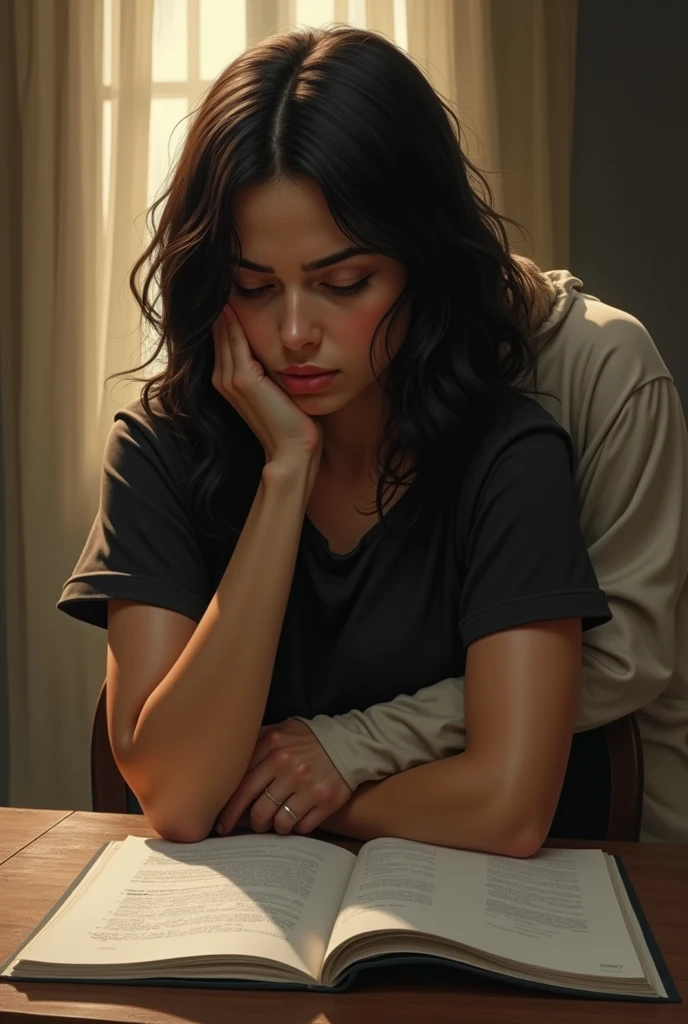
pixel 556 910
pixel 268 896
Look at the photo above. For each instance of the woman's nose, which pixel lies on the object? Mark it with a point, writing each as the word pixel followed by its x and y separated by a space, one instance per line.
pixel 298 328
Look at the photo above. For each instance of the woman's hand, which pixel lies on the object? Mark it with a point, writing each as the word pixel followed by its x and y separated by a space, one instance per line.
pixel 284 430
pixel 293 765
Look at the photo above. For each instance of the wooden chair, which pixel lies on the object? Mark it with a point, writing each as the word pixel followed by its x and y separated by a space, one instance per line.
pixel 109 791
pixel 628 778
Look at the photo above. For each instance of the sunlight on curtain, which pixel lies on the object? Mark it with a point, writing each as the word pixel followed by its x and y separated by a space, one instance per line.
pixel 193 40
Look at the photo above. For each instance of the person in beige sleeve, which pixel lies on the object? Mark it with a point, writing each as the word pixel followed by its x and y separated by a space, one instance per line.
pixel 610 389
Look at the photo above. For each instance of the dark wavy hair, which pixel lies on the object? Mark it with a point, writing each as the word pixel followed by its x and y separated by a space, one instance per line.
pixel 350 111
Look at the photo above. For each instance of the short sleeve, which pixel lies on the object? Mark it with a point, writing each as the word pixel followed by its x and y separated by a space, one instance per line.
pixel 142 545
pixel 523 555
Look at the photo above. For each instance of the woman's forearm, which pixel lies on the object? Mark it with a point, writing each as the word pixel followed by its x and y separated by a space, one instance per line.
pixel 196 732
pixel 446 803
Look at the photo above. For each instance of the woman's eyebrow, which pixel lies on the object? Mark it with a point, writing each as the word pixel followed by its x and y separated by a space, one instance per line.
pixel 326 261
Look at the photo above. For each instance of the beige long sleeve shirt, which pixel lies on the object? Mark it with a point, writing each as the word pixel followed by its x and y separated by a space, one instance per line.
pixel 609 388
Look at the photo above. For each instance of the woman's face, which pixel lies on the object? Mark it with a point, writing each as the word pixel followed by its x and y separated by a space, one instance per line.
pixel 295 316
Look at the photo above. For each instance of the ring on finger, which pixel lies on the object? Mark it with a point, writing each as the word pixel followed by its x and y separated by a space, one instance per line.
pixel 271 797
pixel 285 807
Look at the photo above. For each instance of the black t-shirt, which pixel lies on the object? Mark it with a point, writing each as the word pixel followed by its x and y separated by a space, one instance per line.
pixel 502 549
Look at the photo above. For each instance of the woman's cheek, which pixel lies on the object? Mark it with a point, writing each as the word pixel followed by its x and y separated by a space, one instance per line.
pixel 255 332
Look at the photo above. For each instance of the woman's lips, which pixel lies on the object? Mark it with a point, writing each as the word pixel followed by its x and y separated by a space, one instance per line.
pixel 303 385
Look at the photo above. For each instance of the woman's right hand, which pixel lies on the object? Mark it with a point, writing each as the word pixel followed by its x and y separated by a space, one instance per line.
pixel 285 431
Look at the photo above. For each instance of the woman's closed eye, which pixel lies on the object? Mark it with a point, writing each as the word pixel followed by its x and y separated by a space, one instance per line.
pixel 350 289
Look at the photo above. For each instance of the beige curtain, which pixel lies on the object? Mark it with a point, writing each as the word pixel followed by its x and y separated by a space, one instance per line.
pixel 67 319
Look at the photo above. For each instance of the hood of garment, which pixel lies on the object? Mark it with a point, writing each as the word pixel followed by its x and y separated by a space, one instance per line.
pixel 552 293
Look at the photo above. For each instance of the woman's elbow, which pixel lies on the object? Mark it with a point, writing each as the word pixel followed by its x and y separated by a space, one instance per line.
pixel 522 835
pixel 176 816
pixel 526 842
pixel 170 820
pixel 177 831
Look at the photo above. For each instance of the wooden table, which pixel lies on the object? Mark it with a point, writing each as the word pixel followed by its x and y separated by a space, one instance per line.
pixel 45 850
pixel 19 826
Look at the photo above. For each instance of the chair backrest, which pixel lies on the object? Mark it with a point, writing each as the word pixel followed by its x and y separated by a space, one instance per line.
pixel 109 790
pixel 628 778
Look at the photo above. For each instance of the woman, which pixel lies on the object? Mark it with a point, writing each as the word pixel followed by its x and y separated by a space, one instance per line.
pixel 613 393
pixel 321 195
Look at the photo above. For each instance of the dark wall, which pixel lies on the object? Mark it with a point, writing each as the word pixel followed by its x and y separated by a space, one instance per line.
pixel 629 202
pixel 8 199
pixel 4 695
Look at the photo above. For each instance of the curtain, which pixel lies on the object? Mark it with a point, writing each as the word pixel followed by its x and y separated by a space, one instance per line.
pixel 67 319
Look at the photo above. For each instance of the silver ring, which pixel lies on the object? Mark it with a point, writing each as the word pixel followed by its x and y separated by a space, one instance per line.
pixel 269 794
pixel 289 811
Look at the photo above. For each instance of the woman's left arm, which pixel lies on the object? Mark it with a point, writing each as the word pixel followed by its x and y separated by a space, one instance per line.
pixel 500 794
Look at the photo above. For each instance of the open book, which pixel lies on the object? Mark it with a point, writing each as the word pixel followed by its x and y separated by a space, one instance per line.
pixel 254 911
